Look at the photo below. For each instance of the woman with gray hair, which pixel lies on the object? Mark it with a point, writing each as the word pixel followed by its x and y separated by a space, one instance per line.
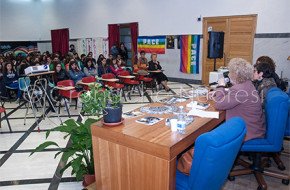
pixel 242 99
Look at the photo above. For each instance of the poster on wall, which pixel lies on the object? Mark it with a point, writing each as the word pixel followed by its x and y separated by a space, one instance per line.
pixel 89 44
pixel 170 42
pixel 151 44
pixel 105 47
pixel 23 48
pixel 95 45
pixel 189 54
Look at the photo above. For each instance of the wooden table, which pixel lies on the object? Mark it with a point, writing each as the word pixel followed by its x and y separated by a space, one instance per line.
pixel 134 156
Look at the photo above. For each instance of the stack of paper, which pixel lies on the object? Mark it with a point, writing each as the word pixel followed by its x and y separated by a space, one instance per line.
pixel 201 113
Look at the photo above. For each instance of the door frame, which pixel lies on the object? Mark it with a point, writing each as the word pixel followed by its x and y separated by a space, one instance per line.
pixel 205 38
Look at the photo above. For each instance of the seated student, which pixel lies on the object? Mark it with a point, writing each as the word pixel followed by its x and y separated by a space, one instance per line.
pixel 115 66
pixel 90 69
pixel 154 65
pixel 11 78
pixel 74 72
pixel 103 68
pixel 90 56
pixel 280 83
pixel 240 100
pixel 142 64
pixel 2 85
pixel 101 56
pixel 48 62
pixel 55 60
pixel 263 79
pixel 109 60
pixel 59 74
pixel 21 68
pixel 78 60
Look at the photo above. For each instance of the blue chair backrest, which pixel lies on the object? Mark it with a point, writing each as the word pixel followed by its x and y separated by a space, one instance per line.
pixel 276 111
pixel 215 153
pixel 24 83
pixel 287 131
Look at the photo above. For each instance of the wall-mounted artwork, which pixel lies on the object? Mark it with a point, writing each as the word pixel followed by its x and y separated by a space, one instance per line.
pixel 170 42
pixel 23 48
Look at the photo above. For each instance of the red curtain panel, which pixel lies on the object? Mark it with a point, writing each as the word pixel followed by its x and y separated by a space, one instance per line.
pixel 60 41
pixel 114 34
pixel 134 36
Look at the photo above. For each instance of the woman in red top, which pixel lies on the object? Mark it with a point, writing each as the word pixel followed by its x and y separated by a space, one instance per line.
pixel 116 66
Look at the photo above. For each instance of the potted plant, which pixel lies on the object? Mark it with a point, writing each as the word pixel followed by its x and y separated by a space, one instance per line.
pixel 80 149
pixel 103 102
pixel 79 152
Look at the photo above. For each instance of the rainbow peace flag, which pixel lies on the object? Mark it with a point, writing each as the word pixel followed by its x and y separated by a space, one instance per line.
pixel 189 54
pixel 151 44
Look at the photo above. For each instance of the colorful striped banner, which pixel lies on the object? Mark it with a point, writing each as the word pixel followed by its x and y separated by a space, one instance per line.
pixel 189 54
pixel 151 44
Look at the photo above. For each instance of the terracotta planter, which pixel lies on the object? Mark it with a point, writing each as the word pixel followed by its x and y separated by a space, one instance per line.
pixel 88 180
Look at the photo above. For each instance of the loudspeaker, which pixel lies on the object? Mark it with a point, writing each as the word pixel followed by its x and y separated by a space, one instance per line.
pixel 215 45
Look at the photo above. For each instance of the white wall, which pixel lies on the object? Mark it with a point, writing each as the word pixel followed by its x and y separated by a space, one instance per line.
pixel 33 19
pixel 23 20
pixel 278 49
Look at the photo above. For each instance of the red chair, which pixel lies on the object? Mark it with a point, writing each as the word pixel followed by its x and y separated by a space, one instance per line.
pixel 146 81
pixel 89 79
pixel 68 94
pixel 114 85
pixel 131 83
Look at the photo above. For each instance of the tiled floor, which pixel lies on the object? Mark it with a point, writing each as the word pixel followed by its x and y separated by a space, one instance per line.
pixel 19 171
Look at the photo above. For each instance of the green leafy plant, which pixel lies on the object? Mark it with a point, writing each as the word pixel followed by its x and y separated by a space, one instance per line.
pixel 79 151
pixel 98 98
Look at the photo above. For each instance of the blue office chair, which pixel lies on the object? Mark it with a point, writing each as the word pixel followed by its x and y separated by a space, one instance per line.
pixel 214 156
pixel 287 131
pixel 276 110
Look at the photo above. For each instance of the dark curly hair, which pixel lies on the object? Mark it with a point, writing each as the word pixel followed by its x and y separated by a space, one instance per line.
pixel 266 68
pixel 267 59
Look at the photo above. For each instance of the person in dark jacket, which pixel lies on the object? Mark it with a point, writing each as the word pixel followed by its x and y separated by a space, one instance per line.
pixel 155 66
pixel 100 58
pixel 11 78
pixel 21 68
pixel 123 51
pixel 60 74
pixel 103 68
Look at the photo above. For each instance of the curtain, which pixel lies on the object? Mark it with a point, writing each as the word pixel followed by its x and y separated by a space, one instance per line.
pixel 114 35
pixel 134 36
pixel 60 41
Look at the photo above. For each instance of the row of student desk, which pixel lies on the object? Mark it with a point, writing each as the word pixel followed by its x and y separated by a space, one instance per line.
pixel 134 156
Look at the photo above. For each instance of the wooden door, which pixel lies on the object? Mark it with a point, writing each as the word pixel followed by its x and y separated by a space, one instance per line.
pixel 238 40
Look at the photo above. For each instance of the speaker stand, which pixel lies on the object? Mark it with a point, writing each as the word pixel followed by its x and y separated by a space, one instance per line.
pixel 214 64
